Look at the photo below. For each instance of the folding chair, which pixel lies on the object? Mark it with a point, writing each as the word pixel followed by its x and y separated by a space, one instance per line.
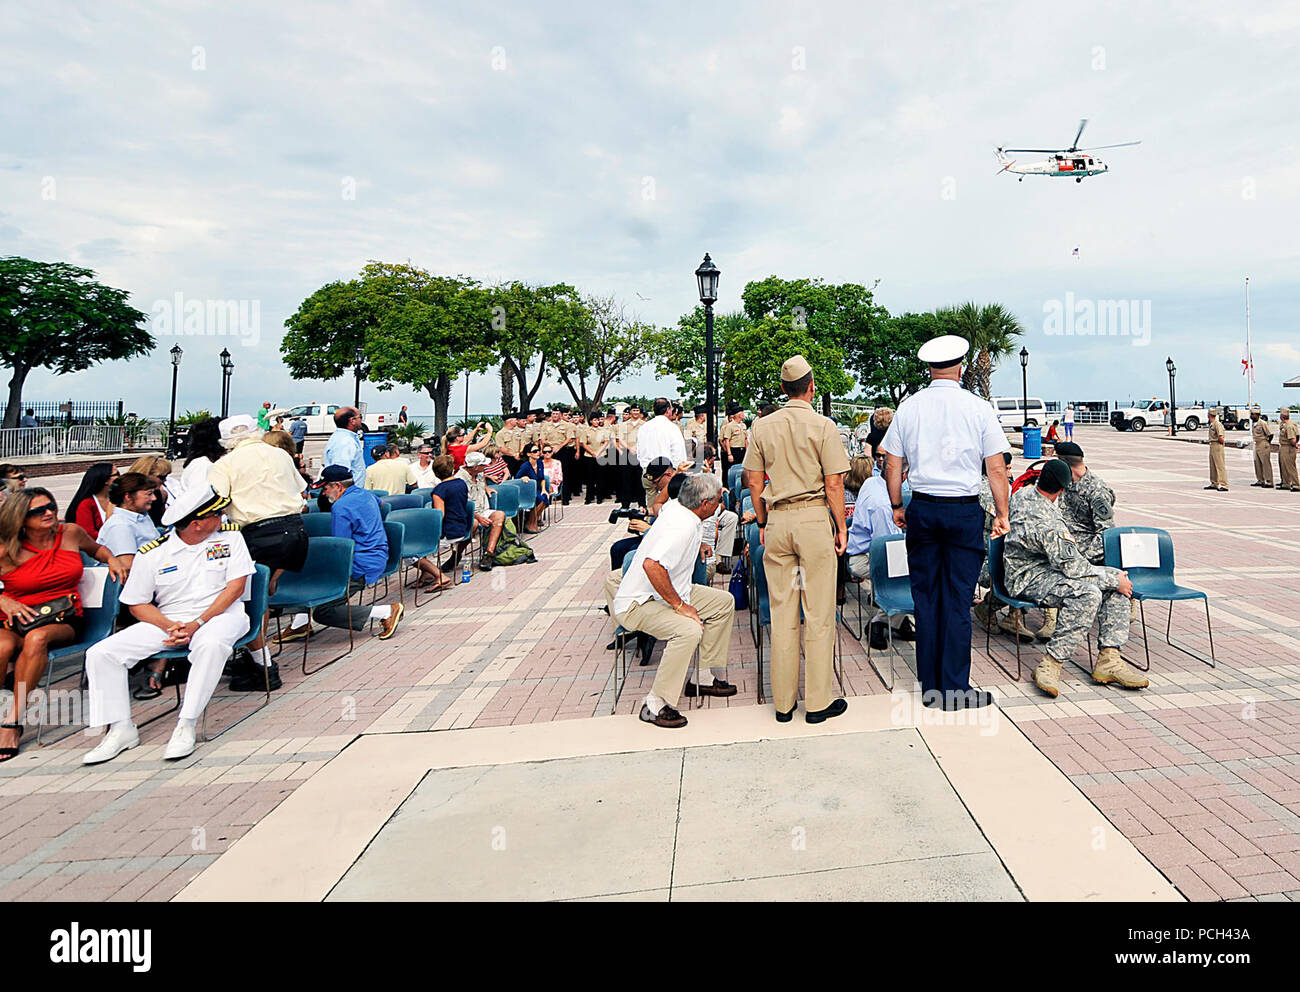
pixel 1155 582
pixel 325 578
pixel 317 525
pixel 403 502
pixel 891 594
pixel 421 536
pixel 393 533
pixel 620 642
pixel 527 500
pixel 99 624
pixel 505 499
pixel 997 573
pixel 177 674
pixel 425 493
pixel 735 481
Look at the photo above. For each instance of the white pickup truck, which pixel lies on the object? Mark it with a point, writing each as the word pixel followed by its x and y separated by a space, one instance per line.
pixel 320 417
pixel 1151 413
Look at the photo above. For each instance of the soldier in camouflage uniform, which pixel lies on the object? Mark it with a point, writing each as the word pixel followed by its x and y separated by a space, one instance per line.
pixel 1043 565
pixel 986 611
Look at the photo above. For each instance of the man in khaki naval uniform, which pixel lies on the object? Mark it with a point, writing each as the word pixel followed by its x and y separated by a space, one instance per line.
pixel 695 433
pixel 510 440
pixel 801 454
pixel 1288 435
pixel 733 437
pixel 560 435
pixel 1263 439
pixel 1218 468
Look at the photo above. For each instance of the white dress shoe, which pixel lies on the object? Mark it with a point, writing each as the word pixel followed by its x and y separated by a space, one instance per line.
pixel 117 740
pixel 182 743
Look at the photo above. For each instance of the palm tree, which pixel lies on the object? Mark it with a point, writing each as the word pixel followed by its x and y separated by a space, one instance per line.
pixel 991 331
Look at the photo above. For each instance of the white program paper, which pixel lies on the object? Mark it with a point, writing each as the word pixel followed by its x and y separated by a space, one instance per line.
pixel 91 587
pixel 896 559
pixel 1139 551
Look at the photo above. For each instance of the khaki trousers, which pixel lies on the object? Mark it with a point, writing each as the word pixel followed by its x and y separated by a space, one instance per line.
pixel 1264 464
pixel 682 635
pixel 1218 468
pixel 1286 466
pixel 799 561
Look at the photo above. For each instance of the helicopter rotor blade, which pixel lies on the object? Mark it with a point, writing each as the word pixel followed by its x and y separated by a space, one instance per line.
pixel 1074 145
pixel 1049 151
pixel 1122 144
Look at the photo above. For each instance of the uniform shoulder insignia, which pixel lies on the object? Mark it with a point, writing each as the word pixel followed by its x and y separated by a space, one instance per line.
pixel 229 526
pixel 146 548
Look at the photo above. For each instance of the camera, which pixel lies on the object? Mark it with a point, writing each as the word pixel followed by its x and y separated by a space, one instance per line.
pixel 635 513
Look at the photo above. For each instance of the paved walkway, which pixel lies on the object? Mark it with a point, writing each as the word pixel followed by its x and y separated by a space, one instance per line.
pixel 1201 773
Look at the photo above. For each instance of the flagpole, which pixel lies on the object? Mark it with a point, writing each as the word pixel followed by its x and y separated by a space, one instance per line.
pixel 1250 359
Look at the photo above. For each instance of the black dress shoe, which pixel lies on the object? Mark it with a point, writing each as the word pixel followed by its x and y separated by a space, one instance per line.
pixel 785 717
pixel 970 700
pixel 718 688
pixel 879 638
pixel 834 709
pixel 667 717
pixel 619 641
pixel 1209 487
pixel 906 631
pixel 252 679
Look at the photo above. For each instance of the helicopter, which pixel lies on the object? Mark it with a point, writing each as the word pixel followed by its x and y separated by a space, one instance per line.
pixel 1069 163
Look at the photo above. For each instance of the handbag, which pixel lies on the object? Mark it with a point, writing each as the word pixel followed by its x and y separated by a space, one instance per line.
pixel 739 587
pixel 61 610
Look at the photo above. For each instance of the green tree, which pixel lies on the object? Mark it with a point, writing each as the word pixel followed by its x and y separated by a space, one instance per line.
pixel 55 316
pixel 755 354
pixel 326 330
pixel 992 330
pixel 886 365
pixel 529 322
pixel 681 350
pixel 602 344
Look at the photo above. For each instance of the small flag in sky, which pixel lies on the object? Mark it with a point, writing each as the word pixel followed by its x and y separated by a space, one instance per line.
pixel 1075 252
pixel 1247 366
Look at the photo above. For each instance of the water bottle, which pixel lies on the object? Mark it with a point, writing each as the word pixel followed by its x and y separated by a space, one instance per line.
pixel 464 570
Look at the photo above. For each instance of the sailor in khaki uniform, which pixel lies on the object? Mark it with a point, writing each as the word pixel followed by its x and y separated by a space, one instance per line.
pixel 1288 435
pixel 795 469
pixel 510 439
pixel 733 437
pixel 1218 467
pixel 695 433
pixel 1263 438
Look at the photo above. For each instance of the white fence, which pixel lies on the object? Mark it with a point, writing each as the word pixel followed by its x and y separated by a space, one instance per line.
pixel 79 439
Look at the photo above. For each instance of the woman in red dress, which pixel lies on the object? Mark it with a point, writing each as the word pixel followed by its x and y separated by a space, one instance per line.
pixel 90 506
pixel 40 560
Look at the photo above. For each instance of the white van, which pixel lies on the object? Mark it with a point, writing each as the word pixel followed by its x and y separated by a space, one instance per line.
pixel 1012 411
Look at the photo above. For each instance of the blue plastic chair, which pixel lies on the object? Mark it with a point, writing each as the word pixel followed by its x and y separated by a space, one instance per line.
pixel 99 624
pixel 317 525
pixel 405 502
pixel 528 497
pixel 255 607
pixel 384 510
pixel 380 493
pixel 311 506
pixel 324 579
pixel 506 499
pixel 891 595
pixel 421 536
pixel 425 493
pixel 735 481
pixel 393 531
pixel 1157 584
pixel 997 575
pixel 759 604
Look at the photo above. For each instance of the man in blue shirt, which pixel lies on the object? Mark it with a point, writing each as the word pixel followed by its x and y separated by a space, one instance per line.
pixel 344 445
pixel 298 431
pixel 873 516
pixel 355 515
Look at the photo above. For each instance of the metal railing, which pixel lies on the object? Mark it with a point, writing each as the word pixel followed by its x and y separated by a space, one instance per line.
pixel 79 439
pixel 94 439
pixel 24 442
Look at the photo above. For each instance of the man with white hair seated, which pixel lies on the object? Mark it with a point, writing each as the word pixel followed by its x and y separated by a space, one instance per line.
pixel 186 590
pixel 265 492
pixel 657 596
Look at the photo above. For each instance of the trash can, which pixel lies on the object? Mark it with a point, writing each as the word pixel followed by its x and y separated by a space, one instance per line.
pixel 1033 442
pixel 368 441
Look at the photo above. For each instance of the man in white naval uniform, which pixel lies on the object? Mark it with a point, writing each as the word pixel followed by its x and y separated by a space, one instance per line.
pixel 186 589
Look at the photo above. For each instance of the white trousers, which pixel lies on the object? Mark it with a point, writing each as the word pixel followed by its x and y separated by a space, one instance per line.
pixel 107 663
pixel 726 540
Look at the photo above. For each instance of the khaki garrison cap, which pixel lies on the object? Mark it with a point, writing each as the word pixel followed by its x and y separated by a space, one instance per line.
pixel 795 369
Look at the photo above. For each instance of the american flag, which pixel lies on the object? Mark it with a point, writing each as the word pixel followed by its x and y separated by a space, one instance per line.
pixel 1075 252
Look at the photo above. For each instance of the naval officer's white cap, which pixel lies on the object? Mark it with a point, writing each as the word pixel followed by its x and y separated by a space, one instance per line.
pixel 198 501
pixel 940 352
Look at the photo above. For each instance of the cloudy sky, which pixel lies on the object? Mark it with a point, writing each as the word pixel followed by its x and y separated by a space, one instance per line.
pixel 252 152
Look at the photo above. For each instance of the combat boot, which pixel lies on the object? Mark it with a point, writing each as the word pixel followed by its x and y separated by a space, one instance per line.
pixel 1111 667
pixel 1047 676
pixel 985 611
pixel 1048 630
pixel 1014 623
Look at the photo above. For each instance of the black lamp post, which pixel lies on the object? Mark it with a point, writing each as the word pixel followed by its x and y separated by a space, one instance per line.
pixel 358 356
pixel 176 365
pixel 1172 369
pixel 1024 383
pixel 227 369
pixel 707 276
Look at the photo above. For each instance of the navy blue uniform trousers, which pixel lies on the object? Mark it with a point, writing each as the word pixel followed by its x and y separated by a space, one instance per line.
pixel 945 548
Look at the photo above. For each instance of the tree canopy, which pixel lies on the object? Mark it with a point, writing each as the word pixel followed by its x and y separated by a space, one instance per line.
pixel 56 316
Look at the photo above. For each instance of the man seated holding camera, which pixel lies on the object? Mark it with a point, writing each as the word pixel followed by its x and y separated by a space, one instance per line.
pixel 656 597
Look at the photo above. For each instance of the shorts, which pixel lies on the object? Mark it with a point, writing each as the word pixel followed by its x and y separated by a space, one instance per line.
pixel 277 543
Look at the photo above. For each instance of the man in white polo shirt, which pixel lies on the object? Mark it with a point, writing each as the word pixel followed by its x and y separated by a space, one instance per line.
pixel 660 438
pixel 944 433
pixel 656 596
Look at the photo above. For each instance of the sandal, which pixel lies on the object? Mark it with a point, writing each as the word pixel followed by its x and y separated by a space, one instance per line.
pixel 11 752
pixel 152 689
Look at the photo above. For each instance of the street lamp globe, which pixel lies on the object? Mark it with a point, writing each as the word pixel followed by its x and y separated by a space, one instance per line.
pixel 1170 367
pixel 176 354
pixel 226 363
pixel 1024 357
pixel 707 276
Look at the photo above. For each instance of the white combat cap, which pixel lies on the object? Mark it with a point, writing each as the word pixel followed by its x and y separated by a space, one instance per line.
pixel 947 349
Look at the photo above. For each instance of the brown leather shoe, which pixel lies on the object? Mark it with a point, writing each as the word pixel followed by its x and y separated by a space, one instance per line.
pixel 668 717
pixel 718 688
pixel 390 625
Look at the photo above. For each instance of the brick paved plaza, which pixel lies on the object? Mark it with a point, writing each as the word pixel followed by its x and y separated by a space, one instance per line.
pixel 1200 772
